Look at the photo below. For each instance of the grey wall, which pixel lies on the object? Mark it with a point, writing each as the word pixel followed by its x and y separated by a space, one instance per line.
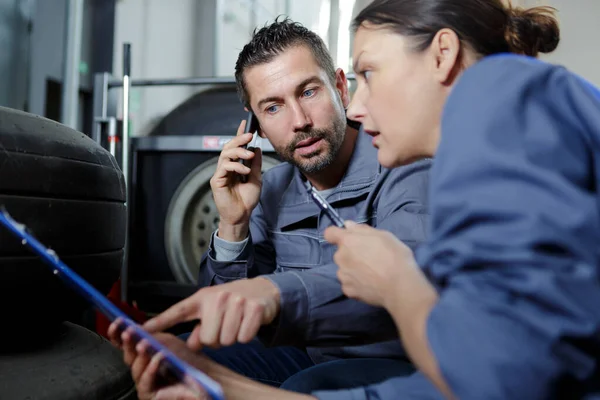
pixel 47 52
pixel 184 38
pixel 580 29
pixel 169 39
pixel 15 42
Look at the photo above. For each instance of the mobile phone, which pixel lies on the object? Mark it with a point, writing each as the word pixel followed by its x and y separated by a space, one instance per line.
pixel 251 123
pixel 324 205
pixel 252 126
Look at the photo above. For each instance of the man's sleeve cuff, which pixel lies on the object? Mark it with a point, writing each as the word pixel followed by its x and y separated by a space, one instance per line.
pixel 294 306
pixel 225 250
pixel 352 394
pixel 232 269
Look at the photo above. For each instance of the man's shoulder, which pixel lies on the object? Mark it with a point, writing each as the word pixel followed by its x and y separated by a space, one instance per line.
pixel 278 176
pixel 275 182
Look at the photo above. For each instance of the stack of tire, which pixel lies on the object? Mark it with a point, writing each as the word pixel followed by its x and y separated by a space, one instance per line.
pixel 70 193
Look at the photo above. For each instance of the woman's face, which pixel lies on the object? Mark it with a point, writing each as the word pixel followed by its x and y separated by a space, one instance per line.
pixel 399 97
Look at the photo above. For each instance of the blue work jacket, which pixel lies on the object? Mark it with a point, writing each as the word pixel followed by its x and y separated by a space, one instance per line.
pixel 514 245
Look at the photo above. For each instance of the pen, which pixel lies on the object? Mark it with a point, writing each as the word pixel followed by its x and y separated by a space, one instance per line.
pixel 324 205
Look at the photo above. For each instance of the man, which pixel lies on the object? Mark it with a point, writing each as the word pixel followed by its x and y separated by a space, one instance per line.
pixel 268 263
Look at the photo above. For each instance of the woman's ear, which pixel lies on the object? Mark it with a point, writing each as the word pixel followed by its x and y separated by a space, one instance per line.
pixel 446 48
pixel 341 84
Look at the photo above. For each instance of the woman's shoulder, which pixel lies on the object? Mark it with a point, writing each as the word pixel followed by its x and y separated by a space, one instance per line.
pixel 505 76
pixel 511 96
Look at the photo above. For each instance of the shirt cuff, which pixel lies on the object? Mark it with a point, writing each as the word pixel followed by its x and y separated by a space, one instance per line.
pixel 414 387
pixel 293 317
pixel 352 394
pixel 226 250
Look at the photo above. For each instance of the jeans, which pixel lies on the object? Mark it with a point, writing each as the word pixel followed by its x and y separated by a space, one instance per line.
pixel 292 369
pixel 269 365
pixel 347 374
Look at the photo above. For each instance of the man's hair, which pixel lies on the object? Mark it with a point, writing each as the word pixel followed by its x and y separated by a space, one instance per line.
pixel 272 40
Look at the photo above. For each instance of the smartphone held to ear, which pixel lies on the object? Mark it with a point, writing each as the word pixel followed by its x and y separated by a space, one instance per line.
pixel 251 127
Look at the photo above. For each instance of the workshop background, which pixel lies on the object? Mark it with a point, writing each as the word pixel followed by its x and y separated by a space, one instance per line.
pixel 145 97
pixel 185 38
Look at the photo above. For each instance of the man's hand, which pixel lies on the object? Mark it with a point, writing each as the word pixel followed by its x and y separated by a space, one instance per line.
pixel 236 200
pixel 228 313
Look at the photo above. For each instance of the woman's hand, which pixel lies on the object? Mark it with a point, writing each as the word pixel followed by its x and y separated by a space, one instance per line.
pixel 370 262
pixel 151 385
pixel 377 268
pixel 146 370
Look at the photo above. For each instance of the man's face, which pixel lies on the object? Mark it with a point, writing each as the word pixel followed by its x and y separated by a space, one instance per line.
pixel 300 110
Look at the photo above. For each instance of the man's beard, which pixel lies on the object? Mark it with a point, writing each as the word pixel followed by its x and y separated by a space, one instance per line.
pixel 321 158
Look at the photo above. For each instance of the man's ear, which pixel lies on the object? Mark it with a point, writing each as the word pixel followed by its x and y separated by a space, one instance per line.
pixel 260 131
pixel 341 84
pixel 446 50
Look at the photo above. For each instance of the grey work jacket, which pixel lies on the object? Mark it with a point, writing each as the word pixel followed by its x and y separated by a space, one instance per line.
pixel 286 245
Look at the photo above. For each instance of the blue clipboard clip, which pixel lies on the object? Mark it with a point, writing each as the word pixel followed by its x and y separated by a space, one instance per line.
pixel 175 367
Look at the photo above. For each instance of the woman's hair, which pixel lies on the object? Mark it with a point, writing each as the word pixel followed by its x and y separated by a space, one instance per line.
pixel 487 26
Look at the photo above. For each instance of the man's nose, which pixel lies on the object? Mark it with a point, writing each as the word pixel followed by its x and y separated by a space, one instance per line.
pixel 301 118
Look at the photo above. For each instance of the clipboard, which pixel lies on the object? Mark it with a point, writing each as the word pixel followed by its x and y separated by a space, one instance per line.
pixel 174 366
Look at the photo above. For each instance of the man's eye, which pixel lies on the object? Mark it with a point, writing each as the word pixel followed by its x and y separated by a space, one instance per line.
pixel 309 93
pixel 366 74
pixel 272 109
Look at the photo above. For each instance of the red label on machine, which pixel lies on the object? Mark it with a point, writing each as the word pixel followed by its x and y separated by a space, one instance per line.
pixel 214 142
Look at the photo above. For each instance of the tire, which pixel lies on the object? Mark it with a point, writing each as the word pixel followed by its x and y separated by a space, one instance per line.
pixel 214 112
pixel 191 219
pixel 76 364
pixel 70 193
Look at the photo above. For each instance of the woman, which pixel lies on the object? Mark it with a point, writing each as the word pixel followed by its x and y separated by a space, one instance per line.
pixel 503 300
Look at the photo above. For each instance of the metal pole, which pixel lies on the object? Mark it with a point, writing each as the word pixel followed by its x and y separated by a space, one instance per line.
pixel 288 7
pixel 126 88
pixel 253 19
pixel 334 26
pixel 217 36
pixel 72 57
pixel 183 81
pixel 125 163
pixel 112 138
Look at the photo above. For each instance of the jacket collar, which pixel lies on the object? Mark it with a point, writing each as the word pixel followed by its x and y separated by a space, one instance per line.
pixel 360 176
